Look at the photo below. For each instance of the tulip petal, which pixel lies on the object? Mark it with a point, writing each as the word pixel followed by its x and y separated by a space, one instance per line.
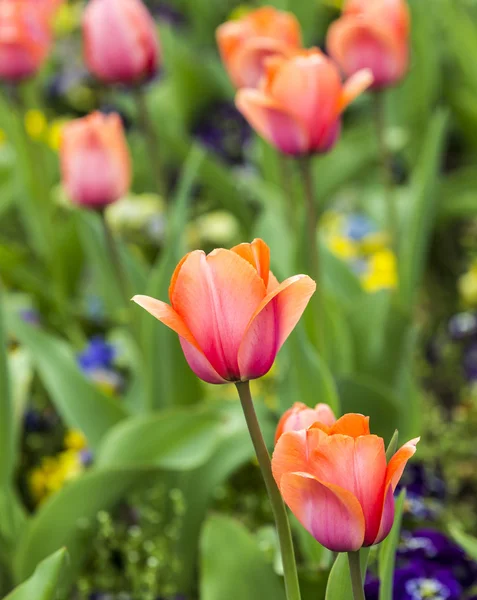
pixel 387 518
pixel 354 87
pixel 398 462
pixel 292 452
pixel 273 122
pixel 199 363
pixel 351 424
pixel 272 322
pixel 331 514
pixel 258 255
pixel 167 315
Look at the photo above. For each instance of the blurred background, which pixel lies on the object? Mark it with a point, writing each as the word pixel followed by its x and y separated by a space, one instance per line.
pixel 109 444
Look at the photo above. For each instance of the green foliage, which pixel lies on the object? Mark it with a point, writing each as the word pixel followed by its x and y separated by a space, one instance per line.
pixel 387 552
pixel 339 581
pixel 43 584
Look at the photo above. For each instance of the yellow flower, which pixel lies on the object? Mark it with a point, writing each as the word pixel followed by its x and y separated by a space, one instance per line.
pixel 54 133
pixel 35 124
pixel 468 286
pixel 53 473
pixel 75 440
pixel 374 242
pixel 382 272
pixel 342 247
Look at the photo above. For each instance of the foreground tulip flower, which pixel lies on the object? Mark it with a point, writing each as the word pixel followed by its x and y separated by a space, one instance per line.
pixel 230 312
pixel 301 416
pixel 95 161
pixel 372 34
pixel 120 41
pixel 299 104
pixel 337 483
pixel 25 39
pixel 244 44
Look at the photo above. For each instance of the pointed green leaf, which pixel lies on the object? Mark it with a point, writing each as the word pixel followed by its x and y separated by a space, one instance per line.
pixel 387 552
pixel 43 584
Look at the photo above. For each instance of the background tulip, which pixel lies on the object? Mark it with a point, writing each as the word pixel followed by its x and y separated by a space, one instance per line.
pixel 337 483
pixel 244 44
pixel 25 39
pixel 95 160
pixel 298 106
pixel 372 34
pixel 230 312
pixel 120 41
pixel 301 416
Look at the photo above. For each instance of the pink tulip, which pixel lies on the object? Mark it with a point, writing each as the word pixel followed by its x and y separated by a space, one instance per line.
pixel 121 43
pixel 372 34
pixel 230 312
pixel 299 104
pixel 25 39
pixel 95 161
pixel 301 416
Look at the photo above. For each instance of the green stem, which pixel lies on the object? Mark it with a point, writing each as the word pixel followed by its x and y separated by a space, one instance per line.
pixel 115 257
pixel 286 179
pixel 279 511
pixel 356 577
pixel 386 166
pixel 149 132
pixel 311 225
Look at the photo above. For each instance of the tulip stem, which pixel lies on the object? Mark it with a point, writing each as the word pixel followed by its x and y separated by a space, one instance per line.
pixel 386 167
pixel 356 577
pixel 311 218
pixel 149 132
pixel 115 257
pixel 279 511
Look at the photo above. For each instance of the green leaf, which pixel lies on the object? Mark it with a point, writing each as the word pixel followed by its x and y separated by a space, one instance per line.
pixel 339 582
pixel 243 573
pixel 387 552
pixel 7 422
pixel 43 584
pixel 458 194
pixel 339 279
pixel 418 223
pixel 180 439
pixel 465 541
pixel 81 404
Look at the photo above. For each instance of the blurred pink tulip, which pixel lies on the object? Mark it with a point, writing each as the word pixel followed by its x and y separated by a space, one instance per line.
pixel 121 44
pixel 372 34
pixel 300 416
pixel 299 103
pixel 25 39
pixel 95 161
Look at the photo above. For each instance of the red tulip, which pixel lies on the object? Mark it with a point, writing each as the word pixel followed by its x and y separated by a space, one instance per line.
pixel 95 161
pixel 372 34
pixel 299 104
pixel 336 481
pixel 245 43
pixel 230 312
pixel 121 43
pixel 301 416
pixel 25 39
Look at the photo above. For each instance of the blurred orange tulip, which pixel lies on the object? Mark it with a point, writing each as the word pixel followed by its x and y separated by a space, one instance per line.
pixel 301 416
pixel 372 34
pixel 336 481
pixel 95 161
pixel 25 39
pixel 298 106
pixel 121 43
pixel 230 312
pixel 245 43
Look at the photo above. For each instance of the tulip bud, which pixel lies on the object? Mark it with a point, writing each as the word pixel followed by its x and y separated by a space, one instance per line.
pixel 301 416
pixel 121 44
pixel 246 43
pixel 299 103
pixel 372 34
pixel 25 39
pixel 95 161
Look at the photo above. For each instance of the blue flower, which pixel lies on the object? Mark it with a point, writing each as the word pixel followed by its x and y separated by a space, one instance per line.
pixel 97 355
pixel 358 226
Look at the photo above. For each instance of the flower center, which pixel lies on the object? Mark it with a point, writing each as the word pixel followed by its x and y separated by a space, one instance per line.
pixel 427 589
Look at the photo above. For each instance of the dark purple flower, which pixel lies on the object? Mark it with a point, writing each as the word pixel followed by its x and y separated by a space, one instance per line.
pixel 470 362
pixel 97 355
pixel 462 325
pixel 420 480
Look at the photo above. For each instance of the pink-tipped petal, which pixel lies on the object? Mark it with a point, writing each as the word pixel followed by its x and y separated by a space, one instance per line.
pixel 398 462
pixel 331 514
pixel 258 255
pixel 387 518
pixel 354 87
pixel 199 363
pixel 274 123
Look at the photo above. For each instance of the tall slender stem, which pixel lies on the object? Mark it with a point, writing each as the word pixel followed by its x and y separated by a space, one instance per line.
pixel 386 166
pixel 115 257
pixel 286 183
pixel 311 224
pixel 356 577
pixel 152 142
pixel 279 511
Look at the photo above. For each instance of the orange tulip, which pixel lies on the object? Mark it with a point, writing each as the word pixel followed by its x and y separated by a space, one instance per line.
pixel 301 416
pixel 25 39
pixel 299 104
pixel 372 34
pixel 95 161
pixel 244 44
pixel 336 481
pixel 230 312
pixel 121 44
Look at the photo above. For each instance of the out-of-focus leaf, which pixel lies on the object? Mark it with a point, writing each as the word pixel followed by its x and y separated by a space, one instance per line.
pixel 21 376
pixel 458 194
pixel 7 424
pixel 339 279
pixel 418 222
pixel 467 542
pixel 79 401
pixel 387 552
pixel 243 573
pixel 339 582
pixel 43 584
